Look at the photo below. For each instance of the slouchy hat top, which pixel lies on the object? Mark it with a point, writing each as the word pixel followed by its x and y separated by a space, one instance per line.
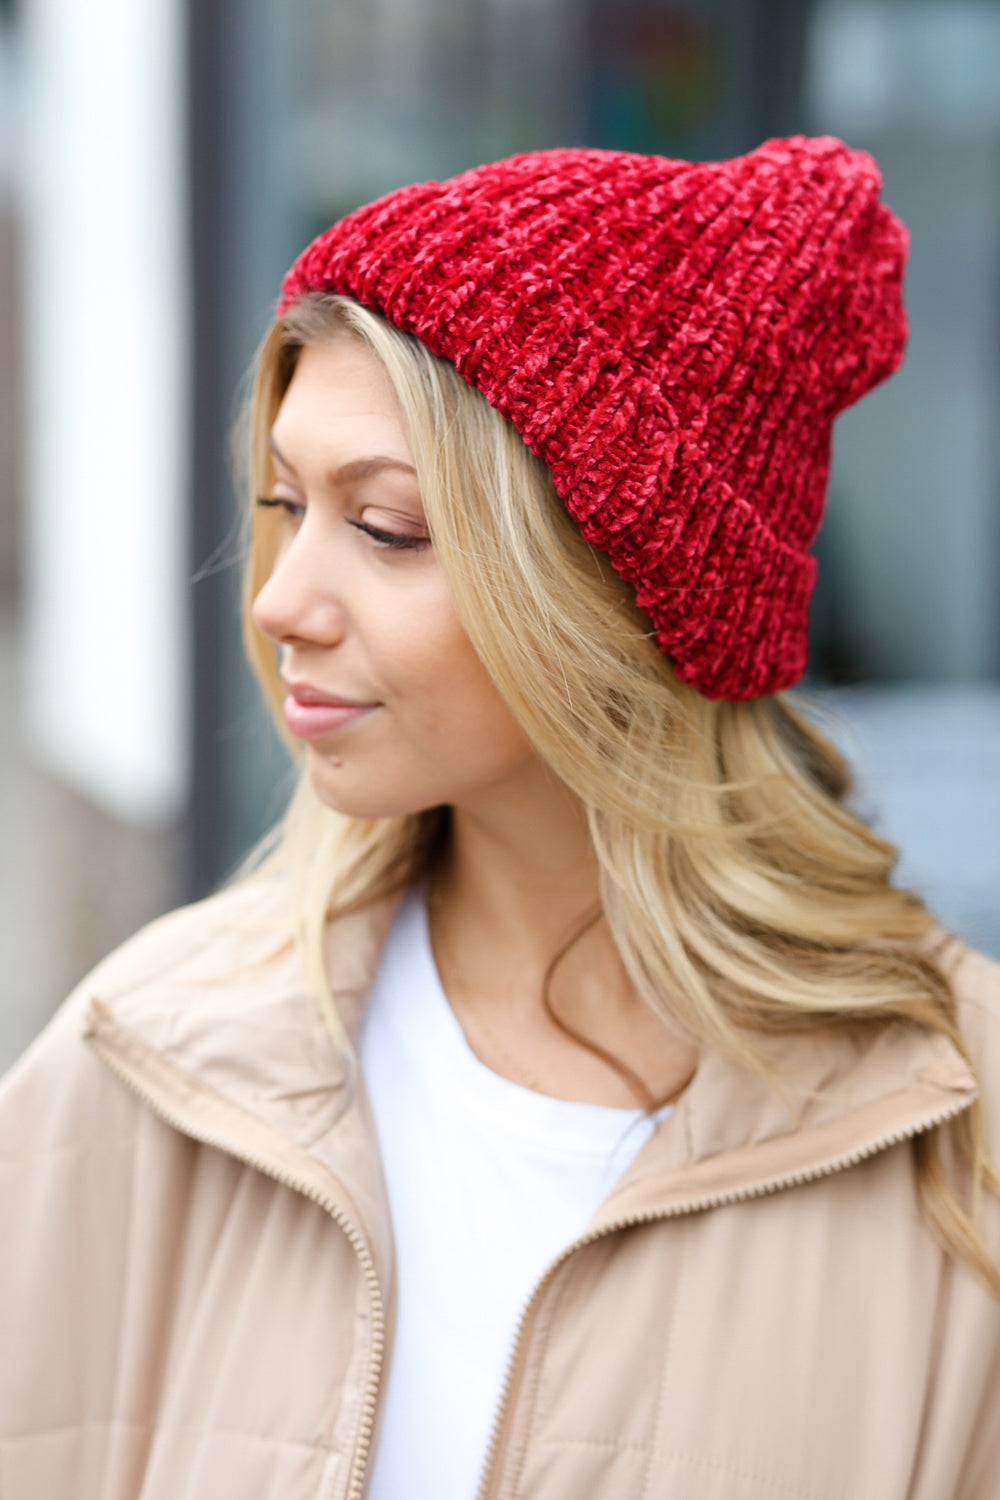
pixel 674 339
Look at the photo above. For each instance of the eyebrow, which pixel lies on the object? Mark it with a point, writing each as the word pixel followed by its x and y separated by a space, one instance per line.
pixel 356 470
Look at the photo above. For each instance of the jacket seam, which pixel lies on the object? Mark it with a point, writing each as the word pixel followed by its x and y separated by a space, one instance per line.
pixel 44 1153
pixel 158 1427
pixel 945 1292
pixel 740 1471
pixel 618 1445
pixel 661 1394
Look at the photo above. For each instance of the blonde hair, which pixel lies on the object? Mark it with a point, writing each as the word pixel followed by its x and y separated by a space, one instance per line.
pixel 743 895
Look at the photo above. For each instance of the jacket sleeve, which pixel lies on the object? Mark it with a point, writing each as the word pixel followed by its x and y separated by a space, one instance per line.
pixel 969 1371
pixel 69 1133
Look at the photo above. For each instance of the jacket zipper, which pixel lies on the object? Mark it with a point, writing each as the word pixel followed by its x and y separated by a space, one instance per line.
pixel 366 1425
pixel 693 1205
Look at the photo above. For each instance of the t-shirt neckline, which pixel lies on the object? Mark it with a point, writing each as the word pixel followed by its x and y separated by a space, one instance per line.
pixel 564 1124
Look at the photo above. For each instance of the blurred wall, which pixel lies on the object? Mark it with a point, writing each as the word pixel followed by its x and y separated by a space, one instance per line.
pixel 911 546
pixel 105 385
pixel 9 394
pixel 93 493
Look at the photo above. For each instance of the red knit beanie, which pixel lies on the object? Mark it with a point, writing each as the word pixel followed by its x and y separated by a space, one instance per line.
pixel 674 339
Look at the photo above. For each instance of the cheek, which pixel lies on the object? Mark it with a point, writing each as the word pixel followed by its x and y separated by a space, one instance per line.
pixel 480 731
pixel 453 699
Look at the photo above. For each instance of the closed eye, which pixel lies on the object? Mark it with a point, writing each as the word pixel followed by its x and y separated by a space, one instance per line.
pixel 396 539
pixel 291 507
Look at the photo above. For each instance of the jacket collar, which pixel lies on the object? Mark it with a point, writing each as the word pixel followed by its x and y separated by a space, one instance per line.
pixel 207 1015
pixel 837 1100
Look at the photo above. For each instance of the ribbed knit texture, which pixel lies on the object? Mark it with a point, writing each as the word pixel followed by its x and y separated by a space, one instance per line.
pixel 674 339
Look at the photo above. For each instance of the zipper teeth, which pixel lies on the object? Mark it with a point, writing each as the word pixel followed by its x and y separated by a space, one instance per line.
pixel 366 1424
pixel 693 1205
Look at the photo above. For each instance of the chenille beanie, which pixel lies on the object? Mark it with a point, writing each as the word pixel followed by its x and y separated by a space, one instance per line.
pixel 674 339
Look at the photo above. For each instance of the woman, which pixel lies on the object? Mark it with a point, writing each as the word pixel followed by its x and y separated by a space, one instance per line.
pixel 568 1105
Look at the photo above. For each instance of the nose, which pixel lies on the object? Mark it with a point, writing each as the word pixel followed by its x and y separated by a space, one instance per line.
pixel 297 605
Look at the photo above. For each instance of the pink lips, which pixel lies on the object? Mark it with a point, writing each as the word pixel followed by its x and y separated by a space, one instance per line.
pixel 311 714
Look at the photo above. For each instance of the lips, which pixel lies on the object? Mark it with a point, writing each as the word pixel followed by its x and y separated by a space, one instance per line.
pixel 310 713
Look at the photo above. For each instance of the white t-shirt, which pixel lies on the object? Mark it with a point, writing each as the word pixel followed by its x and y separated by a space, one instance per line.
pixel 488 1182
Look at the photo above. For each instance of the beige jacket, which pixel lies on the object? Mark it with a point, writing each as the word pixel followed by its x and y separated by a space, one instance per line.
pixel 196 1264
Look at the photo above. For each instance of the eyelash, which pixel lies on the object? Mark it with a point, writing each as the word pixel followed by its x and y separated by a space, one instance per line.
pixel 387 539
pixel 290 507
pixel 398 540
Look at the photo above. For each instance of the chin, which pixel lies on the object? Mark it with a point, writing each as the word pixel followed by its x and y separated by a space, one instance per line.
pixel 366 799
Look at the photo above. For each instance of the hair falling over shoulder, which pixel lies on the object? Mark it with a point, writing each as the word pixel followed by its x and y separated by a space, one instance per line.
pixel 744 896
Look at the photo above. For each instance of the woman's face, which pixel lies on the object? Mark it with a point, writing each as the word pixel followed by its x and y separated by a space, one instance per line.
pixel 396 711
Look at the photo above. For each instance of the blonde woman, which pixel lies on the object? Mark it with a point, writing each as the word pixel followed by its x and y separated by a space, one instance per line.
pixel 568 1105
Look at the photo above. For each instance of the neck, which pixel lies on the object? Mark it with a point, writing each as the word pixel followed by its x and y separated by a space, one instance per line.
pixel 525 873
pixel 519 882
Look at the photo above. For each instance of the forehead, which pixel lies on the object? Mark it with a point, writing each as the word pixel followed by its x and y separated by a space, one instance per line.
pixel 339 398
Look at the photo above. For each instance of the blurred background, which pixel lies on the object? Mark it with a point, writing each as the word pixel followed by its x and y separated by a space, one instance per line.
pixel 161 164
